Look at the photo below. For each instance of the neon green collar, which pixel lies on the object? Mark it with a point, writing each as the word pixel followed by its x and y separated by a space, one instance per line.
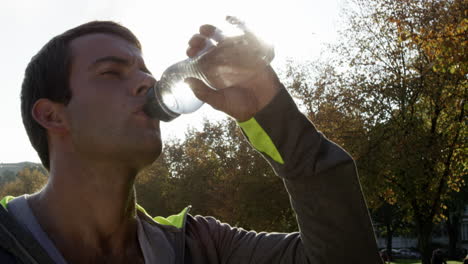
pixel 176 220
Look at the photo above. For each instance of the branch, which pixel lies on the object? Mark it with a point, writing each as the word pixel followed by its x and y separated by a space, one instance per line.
pixel 447 163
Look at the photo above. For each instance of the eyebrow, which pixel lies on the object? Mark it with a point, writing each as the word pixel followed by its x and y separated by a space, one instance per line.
pixel 113 59
pixel 117 60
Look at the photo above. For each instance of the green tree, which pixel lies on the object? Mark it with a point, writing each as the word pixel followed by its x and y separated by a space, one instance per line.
pixel 28 181
pixel 7 176
pixel 394 95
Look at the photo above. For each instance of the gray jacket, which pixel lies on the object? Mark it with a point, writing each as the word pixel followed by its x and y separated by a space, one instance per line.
pixel 324 190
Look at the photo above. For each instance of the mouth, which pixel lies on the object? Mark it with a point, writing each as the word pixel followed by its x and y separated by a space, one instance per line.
pixel 143 116
pixel 140 112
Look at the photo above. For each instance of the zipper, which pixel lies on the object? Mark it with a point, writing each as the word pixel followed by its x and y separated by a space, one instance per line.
pixel 182 259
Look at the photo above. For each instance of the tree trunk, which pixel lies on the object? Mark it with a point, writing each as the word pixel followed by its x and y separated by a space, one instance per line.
pixel 389 242
pixel 453 230
pixel 424 241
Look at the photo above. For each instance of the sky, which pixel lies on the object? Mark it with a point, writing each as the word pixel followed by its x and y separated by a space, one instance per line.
pixel 297 28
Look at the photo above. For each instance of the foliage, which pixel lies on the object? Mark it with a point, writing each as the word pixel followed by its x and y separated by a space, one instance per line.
pixel 28 180
pixel 7 176
pixel 394 95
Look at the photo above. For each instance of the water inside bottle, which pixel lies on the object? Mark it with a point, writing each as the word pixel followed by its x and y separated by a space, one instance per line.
pixel 180 98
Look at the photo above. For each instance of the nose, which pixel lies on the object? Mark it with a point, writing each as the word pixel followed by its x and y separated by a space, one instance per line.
pixel 147 81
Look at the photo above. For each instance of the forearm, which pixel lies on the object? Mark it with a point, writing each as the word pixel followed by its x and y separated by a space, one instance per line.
pixel 322 182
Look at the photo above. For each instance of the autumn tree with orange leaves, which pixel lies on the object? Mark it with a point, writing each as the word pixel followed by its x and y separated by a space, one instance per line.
pixel 393 93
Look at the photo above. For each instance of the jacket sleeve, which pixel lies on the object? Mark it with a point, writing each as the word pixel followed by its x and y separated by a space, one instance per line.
pixel 324 190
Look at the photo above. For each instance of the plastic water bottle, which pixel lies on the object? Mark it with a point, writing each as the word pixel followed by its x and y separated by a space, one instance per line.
pixel 232 61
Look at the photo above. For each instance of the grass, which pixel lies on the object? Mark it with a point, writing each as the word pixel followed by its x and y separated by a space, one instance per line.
pixel 414 261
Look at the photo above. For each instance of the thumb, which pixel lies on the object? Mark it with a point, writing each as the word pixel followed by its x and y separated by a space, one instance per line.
pixel 206 94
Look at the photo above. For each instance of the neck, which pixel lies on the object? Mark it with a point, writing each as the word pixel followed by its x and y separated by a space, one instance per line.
pixel 91 204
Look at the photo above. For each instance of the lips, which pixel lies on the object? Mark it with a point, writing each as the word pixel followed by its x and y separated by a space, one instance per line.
pixel 145 124
pixel 140 112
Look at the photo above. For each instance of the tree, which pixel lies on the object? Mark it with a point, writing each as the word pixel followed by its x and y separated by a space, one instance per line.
pixel 393 222
pixel 7 176
pixel 28 181
pixel 394 95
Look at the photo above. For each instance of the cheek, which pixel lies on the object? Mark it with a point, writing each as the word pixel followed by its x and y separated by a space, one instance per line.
pixel 98 110
pixel 100 121
pixel 86 117
pixel 90 102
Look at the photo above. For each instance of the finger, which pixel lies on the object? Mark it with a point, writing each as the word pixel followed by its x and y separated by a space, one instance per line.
pixel 197 41
pixel 206 94
pixel 196 44
pixel 192 52
pixel 207 30
pixel 212 32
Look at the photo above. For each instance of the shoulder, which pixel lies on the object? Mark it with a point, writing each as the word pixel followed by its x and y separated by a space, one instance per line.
pixel 204 227
pixel 208 228
pixel 207 223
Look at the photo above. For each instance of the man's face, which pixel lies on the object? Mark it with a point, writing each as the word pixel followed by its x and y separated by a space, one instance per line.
pixel 109 81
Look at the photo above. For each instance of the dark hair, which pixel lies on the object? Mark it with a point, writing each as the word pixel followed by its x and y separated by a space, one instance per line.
pixel 47 76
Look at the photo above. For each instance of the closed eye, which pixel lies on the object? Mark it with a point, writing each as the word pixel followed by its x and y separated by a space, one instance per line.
pixel 115 73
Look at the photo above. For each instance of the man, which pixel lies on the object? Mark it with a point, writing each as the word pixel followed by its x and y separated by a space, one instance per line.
pixel 82 106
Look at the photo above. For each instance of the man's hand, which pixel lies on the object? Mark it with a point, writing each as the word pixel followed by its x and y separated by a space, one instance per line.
pixel 242 101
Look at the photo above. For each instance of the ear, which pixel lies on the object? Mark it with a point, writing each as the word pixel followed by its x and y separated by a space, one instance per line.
pixel 50 115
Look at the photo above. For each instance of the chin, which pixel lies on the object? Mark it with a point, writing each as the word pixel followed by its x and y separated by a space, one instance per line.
pixel 146 158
